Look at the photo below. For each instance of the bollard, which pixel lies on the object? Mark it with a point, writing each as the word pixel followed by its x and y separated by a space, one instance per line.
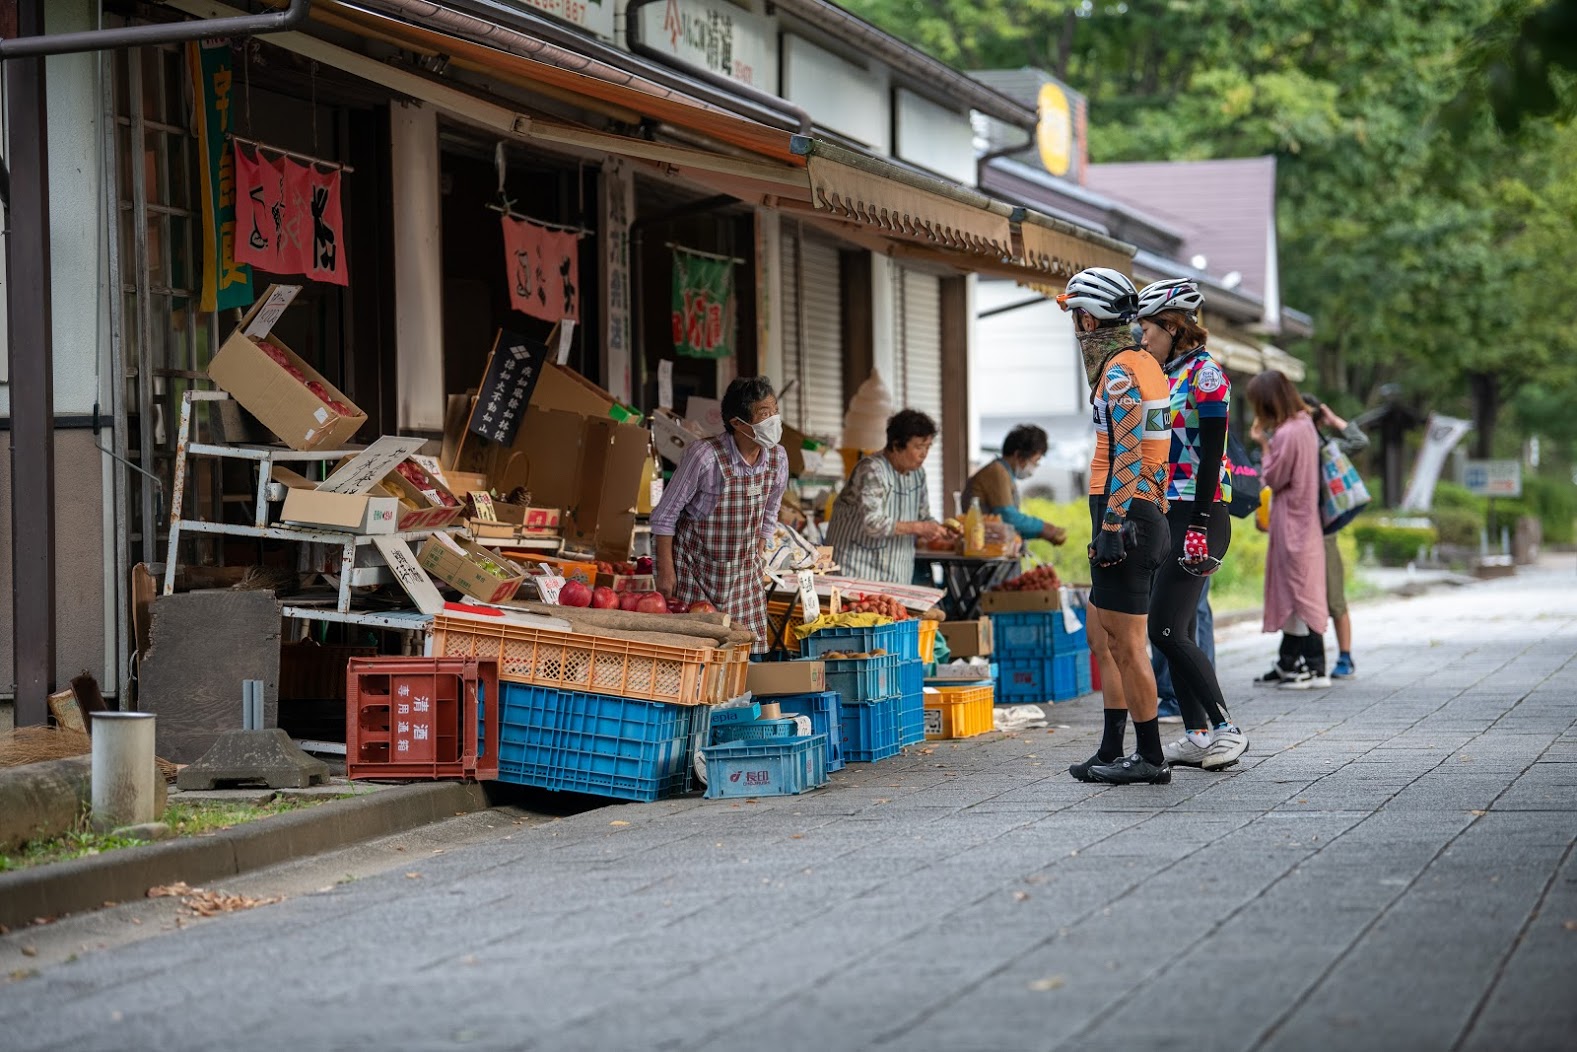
pixel 125 778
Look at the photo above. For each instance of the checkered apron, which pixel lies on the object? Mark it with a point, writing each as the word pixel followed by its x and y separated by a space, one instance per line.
pixel 719 558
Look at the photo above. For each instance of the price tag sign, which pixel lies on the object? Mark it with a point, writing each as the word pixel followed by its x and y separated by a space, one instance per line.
pixel 665 383
pixel 809 600
pixel 566 333
pixel 484 506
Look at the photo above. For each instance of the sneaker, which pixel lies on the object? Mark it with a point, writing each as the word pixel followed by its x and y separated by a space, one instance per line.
pixel 1185 752
pixel 1302 679
pixel 1168 711
pixel 1081 771
pixel 1345 669
pixel 1275 677
pixel 1132 770
pixel 1318 681
pixel 1227 746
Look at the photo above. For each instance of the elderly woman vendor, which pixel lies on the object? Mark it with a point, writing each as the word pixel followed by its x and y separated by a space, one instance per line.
pixel 720 509
pixel 886 505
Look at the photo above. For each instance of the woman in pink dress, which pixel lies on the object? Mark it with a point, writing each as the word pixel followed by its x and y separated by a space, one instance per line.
pixel 1295 564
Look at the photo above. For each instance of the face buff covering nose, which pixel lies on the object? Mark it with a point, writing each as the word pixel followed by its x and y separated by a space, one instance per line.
pixel 1097 346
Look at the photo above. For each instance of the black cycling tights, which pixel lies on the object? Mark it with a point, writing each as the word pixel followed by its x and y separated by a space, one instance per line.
pixel 1174 607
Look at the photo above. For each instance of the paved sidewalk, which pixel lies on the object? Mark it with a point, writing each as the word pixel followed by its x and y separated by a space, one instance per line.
pixel 1391 868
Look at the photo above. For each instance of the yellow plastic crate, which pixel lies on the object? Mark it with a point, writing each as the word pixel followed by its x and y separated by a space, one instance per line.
pixel 958 712
pixel 928 631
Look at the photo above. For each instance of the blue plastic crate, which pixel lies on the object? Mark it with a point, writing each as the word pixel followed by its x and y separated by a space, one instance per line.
pixel 901 639
pixel 1035 634
pixel 1062 677
pixel 753 731
pixel 911 719
pixel 911 677
pixel 825 711
pixel 861 680
pixel 769 767
pixel 870 731
pixel 592 743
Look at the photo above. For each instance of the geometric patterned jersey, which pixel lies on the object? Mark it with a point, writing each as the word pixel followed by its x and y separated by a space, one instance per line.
pixel 1200 390
pixel 1134 394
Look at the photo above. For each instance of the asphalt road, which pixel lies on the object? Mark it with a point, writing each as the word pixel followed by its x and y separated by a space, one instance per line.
pixel 1390 868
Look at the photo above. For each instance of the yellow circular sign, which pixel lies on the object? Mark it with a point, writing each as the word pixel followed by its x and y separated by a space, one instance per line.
pixel 1054 132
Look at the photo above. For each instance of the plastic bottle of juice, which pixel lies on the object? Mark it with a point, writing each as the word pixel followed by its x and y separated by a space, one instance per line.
pixel 1262 513
pixel 974 528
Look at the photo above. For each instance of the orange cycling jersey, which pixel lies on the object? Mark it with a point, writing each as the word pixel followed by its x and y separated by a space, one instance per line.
pixel 1133 434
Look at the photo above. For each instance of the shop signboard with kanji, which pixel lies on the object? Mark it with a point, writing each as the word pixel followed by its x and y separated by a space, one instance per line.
pixel 513 369
pixel 703 305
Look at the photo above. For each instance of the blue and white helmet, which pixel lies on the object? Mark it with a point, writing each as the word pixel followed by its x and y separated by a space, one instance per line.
pixel 1173 294
pixel 1104 293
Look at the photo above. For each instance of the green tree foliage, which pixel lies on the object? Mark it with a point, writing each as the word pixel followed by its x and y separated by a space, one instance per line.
pixel 1434 251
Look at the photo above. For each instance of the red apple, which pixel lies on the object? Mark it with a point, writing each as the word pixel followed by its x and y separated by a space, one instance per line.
pixel 678 606
pixel 652 603
pixel 574 594
pixel 629 600
pixel 701 606
pixel 604 598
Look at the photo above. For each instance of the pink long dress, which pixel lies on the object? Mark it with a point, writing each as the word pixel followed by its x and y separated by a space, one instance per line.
pixel 1295 563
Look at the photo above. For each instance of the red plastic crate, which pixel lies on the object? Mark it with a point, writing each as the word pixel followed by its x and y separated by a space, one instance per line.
pixel 430 718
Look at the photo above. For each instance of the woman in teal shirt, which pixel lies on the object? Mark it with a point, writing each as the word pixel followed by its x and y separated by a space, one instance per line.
pixel 996 484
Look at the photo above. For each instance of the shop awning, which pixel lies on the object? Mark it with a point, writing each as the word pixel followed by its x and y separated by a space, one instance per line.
pixel 1061 249
pixel 1242 355
pixel 913 214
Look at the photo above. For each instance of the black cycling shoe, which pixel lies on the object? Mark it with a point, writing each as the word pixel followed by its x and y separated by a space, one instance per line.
pixel 1132 770
pixel 1081 771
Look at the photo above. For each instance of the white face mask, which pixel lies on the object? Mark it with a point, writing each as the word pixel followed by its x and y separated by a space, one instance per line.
pixel 1023 471
pixel 769 432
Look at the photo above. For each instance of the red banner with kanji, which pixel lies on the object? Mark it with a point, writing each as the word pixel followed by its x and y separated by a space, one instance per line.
pixel 289 218
pixel 543 267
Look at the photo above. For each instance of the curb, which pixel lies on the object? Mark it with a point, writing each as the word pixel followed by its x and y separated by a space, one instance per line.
pixel 89 883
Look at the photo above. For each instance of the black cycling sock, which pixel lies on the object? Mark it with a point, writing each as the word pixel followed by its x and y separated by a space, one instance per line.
pixel 1148 732
pixel 1112 738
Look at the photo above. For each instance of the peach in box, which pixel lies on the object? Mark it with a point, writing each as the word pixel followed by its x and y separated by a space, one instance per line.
pixel 274 383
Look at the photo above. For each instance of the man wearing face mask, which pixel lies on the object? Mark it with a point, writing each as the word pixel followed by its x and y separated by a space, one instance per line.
pixel 996 484
pixel 720 509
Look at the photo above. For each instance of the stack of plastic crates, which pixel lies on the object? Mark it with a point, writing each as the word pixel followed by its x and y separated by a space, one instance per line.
pixel 825 711
pixel 593 743
pixel 896 678
pixel 1038 659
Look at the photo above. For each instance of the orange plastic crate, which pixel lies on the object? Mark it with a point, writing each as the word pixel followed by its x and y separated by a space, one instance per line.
pixel 421 718
pixel 928 631
pixel 959 712
pixel 598 665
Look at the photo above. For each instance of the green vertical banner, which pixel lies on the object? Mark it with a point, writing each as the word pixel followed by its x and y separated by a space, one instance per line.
pixel 703 305
pixel 226 283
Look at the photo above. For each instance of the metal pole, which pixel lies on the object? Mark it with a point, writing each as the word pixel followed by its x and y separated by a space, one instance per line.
pixel 32 379
pixel 31 42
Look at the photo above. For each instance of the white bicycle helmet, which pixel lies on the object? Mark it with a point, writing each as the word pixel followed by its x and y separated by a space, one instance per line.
pixel 1173 294
pixel 1105 293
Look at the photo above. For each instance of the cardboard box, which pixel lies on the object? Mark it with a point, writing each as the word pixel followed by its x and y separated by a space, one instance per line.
pixel 266 388
pixel 570 454
pixel 464 569
pixel 464 483
pixel 967 638
pixel 1019 602
pixel 968 673
pixel 767 678
pixel 737 714
pixel 670 436
pixel 419 510
pixel 305 505
pixel 569 569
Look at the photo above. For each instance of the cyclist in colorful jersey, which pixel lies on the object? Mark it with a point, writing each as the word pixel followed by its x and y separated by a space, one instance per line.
pixel 1128 477
pixel 1198 492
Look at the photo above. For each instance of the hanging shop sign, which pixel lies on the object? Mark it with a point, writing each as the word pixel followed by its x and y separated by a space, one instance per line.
pixel 289 218
pixel 594 16
pixel 512 372
pixel 618 209
pixel 227 282
pixel 543 266
pixel 703 305
pixel 713 35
